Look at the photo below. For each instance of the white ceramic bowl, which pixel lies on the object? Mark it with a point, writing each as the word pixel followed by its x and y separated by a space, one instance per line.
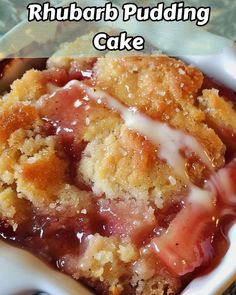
pixel 22 273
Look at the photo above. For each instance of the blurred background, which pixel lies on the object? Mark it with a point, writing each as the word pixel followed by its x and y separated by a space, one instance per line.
pixel 223 16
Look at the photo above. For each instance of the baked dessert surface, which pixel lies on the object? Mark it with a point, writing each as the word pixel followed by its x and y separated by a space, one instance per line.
pixel 84 191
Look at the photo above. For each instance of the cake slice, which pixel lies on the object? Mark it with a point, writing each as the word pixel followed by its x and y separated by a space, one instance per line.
pixel 114 170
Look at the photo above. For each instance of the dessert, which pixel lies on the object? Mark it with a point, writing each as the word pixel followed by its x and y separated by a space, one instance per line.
pixel 119 171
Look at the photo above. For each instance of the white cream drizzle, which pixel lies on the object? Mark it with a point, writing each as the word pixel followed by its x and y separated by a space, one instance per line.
pixel 203 197
pixel 224 185
pixel 169 140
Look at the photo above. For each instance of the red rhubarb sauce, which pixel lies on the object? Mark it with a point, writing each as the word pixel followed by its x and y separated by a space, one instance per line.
pixel 199 236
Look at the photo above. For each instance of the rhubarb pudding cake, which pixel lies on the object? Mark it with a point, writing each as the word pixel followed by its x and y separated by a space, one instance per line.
pixel 119 170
